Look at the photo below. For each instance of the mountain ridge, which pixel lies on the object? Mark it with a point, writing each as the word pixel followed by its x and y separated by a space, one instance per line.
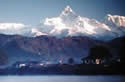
pixel 49 48
pixel 69 23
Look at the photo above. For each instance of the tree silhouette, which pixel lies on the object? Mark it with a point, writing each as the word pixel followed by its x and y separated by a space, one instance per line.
pixel 3 58
pixel 122 50
pixel 70 60
pixel 99 52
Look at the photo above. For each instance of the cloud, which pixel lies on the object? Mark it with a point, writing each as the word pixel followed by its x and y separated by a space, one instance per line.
pixel 9 26
pixel 20 29
pixel 12 28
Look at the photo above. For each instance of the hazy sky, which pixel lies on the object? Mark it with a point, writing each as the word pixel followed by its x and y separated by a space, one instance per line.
pixel 32 11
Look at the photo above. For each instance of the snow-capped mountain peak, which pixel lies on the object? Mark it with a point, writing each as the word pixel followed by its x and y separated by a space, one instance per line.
pixel 68 15
pixel 116 20
pixel 68 23
pixel 67 11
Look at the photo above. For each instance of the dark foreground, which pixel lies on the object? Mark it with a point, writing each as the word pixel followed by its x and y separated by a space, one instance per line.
pixel 64 69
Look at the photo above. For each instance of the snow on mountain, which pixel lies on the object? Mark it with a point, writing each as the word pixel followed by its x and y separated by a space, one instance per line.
pixel 68 23
pixel 116 23
pixel 117 20
pixel 36 32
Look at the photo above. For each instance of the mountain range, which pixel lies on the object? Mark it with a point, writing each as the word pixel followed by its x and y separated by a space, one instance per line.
pixel 69 24
pixel 51 49
pixel 60 38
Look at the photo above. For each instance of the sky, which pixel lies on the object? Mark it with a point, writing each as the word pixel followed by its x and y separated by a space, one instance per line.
pixel 32 11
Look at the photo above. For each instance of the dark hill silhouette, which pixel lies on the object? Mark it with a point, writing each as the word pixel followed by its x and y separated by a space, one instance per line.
pixel 47 48
pixel 3 57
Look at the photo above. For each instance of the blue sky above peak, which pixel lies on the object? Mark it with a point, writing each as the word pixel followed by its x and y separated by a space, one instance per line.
pixel 32 11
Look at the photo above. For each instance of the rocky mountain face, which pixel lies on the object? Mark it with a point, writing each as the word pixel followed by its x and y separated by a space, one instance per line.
pixel 50 49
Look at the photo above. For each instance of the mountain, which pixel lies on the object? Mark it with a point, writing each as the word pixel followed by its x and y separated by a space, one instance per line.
pixel 60 38
pixel 116 20
pixel 116 23
pixel 3 57
pixel 46 48
pixel 50 49
pixel 69 24
pixel 118 44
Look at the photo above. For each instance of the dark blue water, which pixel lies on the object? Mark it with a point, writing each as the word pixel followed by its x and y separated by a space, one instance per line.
pixel 62 79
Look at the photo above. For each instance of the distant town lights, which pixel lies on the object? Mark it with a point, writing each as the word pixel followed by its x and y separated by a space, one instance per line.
pixel 41 64
pixel 97 61
pixel 22 65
